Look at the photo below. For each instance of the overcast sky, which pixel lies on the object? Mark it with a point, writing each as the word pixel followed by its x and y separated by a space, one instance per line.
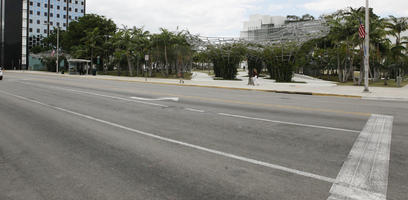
pixel 222 17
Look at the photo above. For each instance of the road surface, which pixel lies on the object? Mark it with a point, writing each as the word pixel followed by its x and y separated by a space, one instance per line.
pixel 76 138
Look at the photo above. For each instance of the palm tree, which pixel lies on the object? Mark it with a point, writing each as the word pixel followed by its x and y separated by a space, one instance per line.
pixel 131 43
pixel 164 39
pixel 141 40
pixel 91 43
pixel 397 26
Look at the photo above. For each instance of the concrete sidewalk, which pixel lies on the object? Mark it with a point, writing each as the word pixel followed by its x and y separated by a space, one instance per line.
pixel 376 93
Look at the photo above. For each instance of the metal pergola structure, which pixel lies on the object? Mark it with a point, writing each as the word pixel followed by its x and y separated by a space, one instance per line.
pixel 296 33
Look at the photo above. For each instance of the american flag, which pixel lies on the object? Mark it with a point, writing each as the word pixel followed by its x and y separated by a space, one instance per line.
pixel 361 31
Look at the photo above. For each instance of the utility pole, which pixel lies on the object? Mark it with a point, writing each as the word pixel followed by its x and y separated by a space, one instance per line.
pixel 367 47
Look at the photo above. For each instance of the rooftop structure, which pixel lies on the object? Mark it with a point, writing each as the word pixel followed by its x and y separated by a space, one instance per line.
pixel 275 29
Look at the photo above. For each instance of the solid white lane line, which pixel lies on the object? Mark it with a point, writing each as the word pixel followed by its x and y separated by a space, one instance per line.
pixel 99 95
pixel 194 110
pixel 176 99
pixel 364 175
pixel 289 123
pixel 204 149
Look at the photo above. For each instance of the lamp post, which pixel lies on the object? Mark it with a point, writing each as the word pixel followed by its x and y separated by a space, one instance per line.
pixel 367 46
pixel 57 49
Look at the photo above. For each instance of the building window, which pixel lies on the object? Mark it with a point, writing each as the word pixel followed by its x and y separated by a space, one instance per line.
pixel 31 21
pixel 58 15
pixel 38 13
pixel 45 14
pixel 38 22
pixel 38 4
pixel 76 9
pixel 38 30
pixel 31 30
pixel 31 3
pixel 31 12
pixel 58 7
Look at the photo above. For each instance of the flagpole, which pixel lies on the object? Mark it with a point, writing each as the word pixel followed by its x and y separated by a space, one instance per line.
pixel 367 47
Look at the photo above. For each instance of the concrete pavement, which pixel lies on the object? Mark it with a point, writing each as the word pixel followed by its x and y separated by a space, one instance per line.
pixel 64 137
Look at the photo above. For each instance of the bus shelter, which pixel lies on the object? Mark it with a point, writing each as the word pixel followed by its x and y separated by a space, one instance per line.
pixel 79 66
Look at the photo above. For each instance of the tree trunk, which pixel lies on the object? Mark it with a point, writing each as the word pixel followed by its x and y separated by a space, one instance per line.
pixel 137 66
pixel 166 60
pixel 339 71
pixel 352 68
pixel 129 66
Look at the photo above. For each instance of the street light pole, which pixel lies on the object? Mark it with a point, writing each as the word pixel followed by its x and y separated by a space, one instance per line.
pixel 367 47
pixel 57 49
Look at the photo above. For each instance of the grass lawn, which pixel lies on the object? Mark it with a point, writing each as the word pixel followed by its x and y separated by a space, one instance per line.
pixel 391 83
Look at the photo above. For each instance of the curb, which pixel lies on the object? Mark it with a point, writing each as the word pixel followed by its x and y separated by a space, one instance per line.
pixel 385 99
pixel 207 86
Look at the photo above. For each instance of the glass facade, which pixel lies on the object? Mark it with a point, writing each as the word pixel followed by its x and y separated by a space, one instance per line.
pixel 46 15
pixel 23 24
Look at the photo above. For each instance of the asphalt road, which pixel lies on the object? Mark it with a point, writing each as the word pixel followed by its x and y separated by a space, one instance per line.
pixel 76 138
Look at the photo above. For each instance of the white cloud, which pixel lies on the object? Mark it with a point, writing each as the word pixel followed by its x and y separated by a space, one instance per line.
pixel 207 17
pixel 222 17
pixel 381 7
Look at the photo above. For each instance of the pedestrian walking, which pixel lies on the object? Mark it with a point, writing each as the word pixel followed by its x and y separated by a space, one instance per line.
pixel 181 77
pixel 255 77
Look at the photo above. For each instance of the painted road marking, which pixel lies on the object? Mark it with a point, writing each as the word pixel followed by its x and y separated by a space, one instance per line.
pixel 204 149
pixel 208 99
pixel 194 110
pixel 364 175
pixel 289 123
pixel 99 95
pixel 176 99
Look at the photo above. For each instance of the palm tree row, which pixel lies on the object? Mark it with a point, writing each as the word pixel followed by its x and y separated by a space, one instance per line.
pixel 337 56
pixel 341 53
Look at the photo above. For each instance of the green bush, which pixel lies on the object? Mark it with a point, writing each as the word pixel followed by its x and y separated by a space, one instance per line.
pixel 226 59
pixel 280 62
